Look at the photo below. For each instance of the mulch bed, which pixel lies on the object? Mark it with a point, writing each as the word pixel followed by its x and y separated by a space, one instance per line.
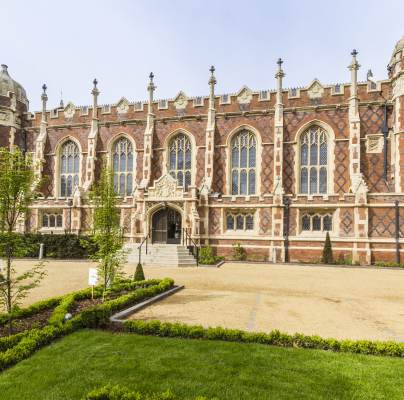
pixel 39 320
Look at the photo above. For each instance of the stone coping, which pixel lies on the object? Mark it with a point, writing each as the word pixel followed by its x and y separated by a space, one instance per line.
pixel 122 315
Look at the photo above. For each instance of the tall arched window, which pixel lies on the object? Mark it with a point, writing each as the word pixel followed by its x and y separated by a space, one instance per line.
pixel 313 161
pixel 243 163
pixel 69 168
pixel 180 160
pixel 122 160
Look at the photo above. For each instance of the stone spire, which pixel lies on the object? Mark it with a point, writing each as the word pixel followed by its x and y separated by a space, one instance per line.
pixel 358 185
pixel 210 135
pixel 92 141
pixel 44 98
pixel 39 157
pixel 95 92
pixel 148 136
pixel 278 136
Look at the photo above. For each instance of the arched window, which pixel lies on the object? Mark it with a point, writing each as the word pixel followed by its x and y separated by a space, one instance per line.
pixel 243 163
pixel 69 168
pixel 313 161
pixel 180 160
pixel 122 163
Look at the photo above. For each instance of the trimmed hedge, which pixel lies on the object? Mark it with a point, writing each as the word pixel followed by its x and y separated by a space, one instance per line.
pixel 117 392
pixel 389 264
pixel 65 246
pixel 21 346
pixel 275 338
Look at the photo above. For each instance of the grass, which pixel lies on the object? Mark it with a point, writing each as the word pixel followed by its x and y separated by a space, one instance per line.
pixel 69 368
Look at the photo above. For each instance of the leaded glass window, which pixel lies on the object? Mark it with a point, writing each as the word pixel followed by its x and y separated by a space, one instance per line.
pixel 314 161
pixel 52 220
pixel 243 163
pixel 122 164
pixel 316 222
pixel 239 221
pixel 69 168
pixel 180 160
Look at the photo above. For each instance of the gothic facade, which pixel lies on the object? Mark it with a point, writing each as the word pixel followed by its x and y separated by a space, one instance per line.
pixel 273 170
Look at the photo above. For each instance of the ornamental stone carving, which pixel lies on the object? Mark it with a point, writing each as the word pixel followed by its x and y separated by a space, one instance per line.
pixel 69 110
pixel 315 90
pixel 123 106
pixel 374 143
pixel 181 101
pixel 165 188
pixel 398 87
pixel 244 96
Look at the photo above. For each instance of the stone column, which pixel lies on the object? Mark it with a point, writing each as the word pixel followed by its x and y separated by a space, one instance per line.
pixel 39 157
pixel 148 137
pixel 360 252
pixel 278 191
pixel 92 141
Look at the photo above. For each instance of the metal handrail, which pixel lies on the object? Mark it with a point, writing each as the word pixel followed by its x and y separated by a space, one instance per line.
pixel 187 238
pixel 145 239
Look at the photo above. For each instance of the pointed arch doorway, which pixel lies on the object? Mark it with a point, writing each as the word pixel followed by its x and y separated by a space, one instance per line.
pixel 166 226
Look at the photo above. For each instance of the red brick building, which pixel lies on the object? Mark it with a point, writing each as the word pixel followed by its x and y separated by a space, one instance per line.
pixel 273 170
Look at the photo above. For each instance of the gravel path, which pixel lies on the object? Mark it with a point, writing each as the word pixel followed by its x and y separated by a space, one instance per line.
pixel 332 302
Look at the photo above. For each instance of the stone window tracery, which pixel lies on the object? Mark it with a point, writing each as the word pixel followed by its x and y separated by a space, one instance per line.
pixel 316 222
pixel 243 163
pixel 239 221
pixel 122 164
pixel 53 220
pixel 69 168
pixel 180 160
pixel 314 161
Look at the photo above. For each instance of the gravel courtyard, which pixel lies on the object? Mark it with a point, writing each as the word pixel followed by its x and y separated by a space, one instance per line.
pixel 335 302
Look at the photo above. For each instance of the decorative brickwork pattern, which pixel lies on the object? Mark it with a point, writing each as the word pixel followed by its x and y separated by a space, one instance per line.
pixel 219 178
pixel 346 222
pixel 265 215
pixel 288 168
pixel 267 169
pixel 382 222
pixel 341 171
pixel 214 221
pixel 291 121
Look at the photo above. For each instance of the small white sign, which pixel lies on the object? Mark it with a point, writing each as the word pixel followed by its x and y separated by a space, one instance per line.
pixel 92 276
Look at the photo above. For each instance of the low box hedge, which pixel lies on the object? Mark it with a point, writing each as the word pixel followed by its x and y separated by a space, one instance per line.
pixel 117 392
pixel 20 346
pixel 275 337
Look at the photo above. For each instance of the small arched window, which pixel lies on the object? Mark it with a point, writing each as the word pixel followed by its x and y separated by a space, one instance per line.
pixel 122 164
pixel 180 160
pixel 313 161
pixel 69 168
pixel 243 163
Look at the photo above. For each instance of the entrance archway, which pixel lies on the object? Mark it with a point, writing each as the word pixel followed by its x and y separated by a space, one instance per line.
pixel 166 226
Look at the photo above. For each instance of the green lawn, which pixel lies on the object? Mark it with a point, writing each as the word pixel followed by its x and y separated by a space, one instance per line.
pixel 70 367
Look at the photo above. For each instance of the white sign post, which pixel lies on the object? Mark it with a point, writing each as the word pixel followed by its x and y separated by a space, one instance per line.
pixel 92 279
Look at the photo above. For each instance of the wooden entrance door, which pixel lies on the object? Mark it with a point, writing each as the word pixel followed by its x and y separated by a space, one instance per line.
pixel 166 226
pixel 159 226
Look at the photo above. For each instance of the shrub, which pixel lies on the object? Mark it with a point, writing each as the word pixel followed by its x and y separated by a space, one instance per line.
pixel 139 274
pixel 327 251
pixel 206 256
pixel 239 253
pixel 274 337
pixel 389 264
pixel 66 246
pixel 117 392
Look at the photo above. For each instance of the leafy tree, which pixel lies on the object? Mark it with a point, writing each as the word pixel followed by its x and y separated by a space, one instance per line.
pixel 139 274
pixel 107 237
pixel 327 251
pixel 17 192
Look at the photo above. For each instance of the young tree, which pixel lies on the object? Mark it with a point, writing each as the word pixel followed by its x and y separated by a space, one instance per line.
pixel 107 234
pixel 327 251
pixel 17 191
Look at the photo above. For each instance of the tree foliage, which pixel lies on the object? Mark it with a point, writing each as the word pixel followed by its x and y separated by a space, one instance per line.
pixel 327 251
pixel 17 192
pixel 107 233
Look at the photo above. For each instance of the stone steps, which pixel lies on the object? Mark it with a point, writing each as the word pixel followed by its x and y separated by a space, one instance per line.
pixel 161 255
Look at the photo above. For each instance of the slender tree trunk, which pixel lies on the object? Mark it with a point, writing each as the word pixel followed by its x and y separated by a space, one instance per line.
pixel 9 303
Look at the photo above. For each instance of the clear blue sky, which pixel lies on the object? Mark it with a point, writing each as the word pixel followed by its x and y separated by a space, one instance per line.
pixel 68 43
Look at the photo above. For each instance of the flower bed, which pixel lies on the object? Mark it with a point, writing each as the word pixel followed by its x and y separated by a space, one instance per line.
pixel 17 347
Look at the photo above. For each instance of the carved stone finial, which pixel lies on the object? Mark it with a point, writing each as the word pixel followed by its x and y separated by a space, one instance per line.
pixel 95 91
pixel 152 87
pixel 212 80
pixel 354 53
pixel 280 73
pixel 95 82
pixel 280 62
pixel 151 76
pixel 354 64
pixel 44 87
